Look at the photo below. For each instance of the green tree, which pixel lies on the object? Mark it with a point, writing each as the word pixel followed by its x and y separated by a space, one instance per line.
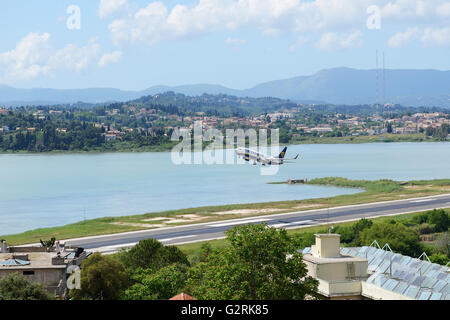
pixel 440 218
pixel 102 278
pixel 260 263
pixel 151 254
pixel 17 287
pixel 400 238
pixel 162 284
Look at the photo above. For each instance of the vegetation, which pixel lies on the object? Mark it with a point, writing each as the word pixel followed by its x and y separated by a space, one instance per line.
pixel 398 231
pixel 102 278
pixel 147 123
pixel 151 254
pixel 17 287
pixel 259 263
pixel 254 262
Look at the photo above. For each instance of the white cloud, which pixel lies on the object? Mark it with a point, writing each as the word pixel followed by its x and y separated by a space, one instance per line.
pixel 110 7
pixel 401 39
pixel 438 37
pixel 443 10
pixel 235 42
pixel 34 57
pixel 155 22
pixel 332 40
pixel 110 58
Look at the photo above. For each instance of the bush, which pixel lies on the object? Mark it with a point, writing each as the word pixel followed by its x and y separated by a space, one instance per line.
pixel 304 239
pixel 439 258
pixel 425 228
pixel 440 218
pixel 400 238
pixel 17 287
pixel 151 254
pixel 162 284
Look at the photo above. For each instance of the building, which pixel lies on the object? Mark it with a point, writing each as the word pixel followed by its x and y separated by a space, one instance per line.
pixel 49 266
pixel 340 276
pixel 373 273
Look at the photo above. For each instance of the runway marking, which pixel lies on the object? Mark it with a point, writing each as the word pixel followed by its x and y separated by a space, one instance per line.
pixel 281 225
pixel 238 222
pixel 425 200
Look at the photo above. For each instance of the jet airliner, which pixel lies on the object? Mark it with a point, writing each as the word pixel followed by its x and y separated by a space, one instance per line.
pixel 257 157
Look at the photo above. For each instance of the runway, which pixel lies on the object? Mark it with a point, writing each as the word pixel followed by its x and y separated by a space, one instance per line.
pixel 216 230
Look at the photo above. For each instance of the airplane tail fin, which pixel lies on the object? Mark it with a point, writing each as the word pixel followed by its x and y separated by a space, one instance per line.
pixel 283 153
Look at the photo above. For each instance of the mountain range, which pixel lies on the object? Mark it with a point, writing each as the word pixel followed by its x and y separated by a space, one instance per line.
pixel 336 86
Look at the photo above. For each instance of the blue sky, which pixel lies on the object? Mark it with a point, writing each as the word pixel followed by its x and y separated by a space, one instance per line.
pixel 135 44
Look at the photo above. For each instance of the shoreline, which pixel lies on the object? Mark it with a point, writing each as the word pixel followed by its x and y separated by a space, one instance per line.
pixel 375 191
pixel 314 141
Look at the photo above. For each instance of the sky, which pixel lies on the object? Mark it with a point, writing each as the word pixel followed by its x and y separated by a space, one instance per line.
pixel 136 44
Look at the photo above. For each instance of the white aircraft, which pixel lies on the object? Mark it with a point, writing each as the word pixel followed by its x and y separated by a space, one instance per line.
pixel 250 155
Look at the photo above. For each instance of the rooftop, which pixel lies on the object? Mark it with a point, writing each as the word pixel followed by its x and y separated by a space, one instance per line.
pixel 398 275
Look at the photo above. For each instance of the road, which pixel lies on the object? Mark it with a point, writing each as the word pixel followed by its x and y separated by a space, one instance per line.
pixel 215 230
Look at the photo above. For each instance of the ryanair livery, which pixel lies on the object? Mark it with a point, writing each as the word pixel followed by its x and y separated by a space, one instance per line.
pixel 250 155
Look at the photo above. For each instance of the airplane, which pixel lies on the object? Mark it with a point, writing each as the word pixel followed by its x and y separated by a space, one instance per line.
pixel 251 155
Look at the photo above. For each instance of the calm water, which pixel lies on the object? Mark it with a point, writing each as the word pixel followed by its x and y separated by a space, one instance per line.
pixel 52 190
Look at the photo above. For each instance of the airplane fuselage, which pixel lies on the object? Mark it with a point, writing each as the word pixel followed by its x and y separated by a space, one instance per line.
pixel 257 157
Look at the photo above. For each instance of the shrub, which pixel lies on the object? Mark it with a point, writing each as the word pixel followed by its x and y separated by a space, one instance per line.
pixel 17 287
pixel 440 218
pixel 400 238
pixel 439 258
pixel 425 228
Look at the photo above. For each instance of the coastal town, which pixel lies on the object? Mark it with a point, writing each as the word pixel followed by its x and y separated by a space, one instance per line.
pixel 297 122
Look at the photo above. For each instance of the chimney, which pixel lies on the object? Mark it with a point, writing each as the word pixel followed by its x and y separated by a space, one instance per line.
pixel 4 248
pixel 327 246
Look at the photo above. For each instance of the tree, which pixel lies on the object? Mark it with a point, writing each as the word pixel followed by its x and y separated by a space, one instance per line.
pixel 151 254
pixel 440 219
pixel 162 284
pixel 260 263
pixel 400 238
pixel 102 278
pixel 17 287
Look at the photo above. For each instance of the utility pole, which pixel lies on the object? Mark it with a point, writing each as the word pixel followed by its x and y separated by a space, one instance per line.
pixel 377 82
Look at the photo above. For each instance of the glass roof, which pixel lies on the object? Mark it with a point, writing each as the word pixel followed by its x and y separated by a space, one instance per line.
pixel 14 263
pixel 404 275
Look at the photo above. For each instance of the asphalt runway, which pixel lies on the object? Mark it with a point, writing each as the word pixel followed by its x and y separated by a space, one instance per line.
pixel 216 230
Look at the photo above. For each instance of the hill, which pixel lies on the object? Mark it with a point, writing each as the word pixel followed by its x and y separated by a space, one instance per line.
pixel 336 86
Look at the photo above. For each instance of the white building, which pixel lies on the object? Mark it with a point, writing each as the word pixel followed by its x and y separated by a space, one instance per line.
pixel 373 273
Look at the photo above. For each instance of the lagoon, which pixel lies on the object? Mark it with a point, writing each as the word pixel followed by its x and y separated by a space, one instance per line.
pixel 46 190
